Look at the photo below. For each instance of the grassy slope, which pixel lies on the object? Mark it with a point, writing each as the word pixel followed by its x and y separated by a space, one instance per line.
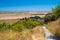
pixel 53 26
pixel 13 35
pixel 35 34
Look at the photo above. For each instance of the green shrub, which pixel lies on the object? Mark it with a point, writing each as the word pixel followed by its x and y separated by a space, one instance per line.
pixel 31 24
pixel 4 26
pixel 18 27
pixel 56 11
pixel 41 22
pixel 49 17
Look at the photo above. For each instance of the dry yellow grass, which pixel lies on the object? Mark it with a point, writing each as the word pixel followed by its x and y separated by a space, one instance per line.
pixel 9 21
pixel 13 35
pixel 53 26
pixel 36 34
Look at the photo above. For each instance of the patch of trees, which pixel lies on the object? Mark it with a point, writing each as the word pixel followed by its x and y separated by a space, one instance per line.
pixel 49 17
pixel 56 11
pixel 53 16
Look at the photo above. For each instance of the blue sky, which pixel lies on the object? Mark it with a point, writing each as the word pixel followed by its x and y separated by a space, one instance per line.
pixel 27 5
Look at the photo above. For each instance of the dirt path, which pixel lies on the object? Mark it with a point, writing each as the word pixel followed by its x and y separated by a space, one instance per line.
pixel 48 34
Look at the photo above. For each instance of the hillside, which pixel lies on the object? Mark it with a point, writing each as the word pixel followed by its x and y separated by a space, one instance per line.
pixel 36 34
pixel 54 27
pixel 23 29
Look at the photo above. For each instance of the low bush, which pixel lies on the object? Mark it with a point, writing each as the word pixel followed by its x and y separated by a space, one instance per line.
pixel 4 26
pixel 18 27
pixel 49 17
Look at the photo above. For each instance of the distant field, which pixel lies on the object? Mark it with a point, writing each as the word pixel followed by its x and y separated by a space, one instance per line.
pixel 19 16
pixel 10 21
pixel 12 17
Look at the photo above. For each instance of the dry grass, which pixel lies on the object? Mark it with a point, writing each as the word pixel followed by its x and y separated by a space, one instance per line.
pixel 35 34
pixel 12 35
pixel 38 33
pixel 53 26
pixel 9 21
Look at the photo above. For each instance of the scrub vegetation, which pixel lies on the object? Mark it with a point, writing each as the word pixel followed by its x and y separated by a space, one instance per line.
pixel 20 25
pixel 19 30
